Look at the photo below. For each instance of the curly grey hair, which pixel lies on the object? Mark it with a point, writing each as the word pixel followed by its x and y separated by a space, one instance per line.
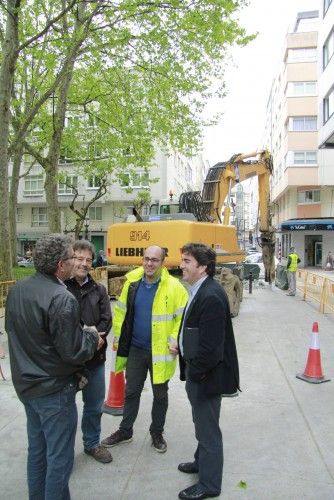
pixel 50 250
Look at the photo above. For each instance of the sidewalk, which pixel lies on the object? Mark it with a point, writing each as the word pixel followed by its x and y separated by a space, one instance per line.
pixel 278 434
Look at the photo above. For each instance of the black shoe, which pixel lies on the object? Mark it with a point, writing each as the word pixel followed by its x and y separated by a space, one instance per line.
pixel 158 442
pixel 195 492
pixel 116 438
pixel 188 467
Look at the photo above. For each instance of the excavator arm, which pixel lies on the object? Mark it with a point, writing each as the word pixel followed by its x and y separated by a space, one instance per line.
pixel 222 177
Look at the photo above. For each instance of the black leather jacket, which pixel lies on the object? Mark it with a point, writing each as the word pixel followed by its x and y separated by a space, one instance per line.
pixel 95 311
pixel 47 345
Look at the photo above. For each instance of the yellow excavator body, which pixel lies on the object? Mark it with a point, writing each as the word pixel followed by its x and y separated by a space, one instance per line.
pixel 127 241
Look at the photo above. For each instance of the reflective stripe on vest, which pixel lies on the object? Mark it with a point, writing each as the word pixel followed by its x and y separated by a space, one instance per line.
pixel 121 305
pixel 162 317
pixel 164 358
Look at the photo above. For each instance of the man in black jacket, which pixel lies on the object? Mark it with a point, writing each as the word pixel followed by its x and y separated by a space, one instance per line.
pixel 48 348
pixel 208 363
pixel 94 311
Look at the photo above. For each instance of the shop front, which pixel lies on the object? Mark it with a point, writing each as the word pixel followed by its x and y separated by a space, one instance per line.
pixel 312 239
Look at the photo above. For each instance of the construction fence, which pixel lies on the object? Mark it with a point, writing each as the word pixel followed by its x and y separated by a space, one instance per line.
pixel 318 288
pixel 313 286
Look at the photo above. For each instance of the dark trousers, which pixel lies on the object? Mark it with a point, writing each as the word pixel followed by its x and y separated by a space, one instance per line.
pixel 209 456
pixel 138 364
pixel 51 427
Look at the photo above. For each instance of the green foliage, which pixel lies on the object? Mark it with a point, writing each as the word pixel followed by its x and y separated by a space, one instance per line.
pixel 22 272
pixel 142 75
pixel 128 76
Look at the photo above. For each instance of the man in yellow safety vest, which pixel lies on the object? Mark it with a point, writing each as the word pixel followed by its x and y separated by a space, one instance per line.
pixel 147 319
pixel 292 266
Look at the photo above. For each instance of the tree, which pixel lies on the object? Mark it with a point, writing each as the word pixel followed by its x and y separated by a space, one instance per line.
pixel 10 18
pixel 139 72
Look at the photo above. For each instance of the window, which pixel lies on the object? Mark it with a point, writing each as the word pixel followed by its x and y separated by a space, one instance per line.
pixel 39 216
pixel 135 180
pixel 302 55
pixel 95 213
pixel 65 156
pixel 326 5
pixel 302 124
pixel 286 244
pixel 328 49
pixel 305 158
pixel 93 182
pixel 309 196
pixel 297 89
pixel 329 105
pixel 33 185
pixel 63 188
pixel 19 214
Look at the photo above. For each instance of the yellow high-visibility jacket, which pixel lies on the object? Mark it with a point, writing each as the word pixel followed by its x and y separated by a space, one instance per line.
pixel 168 305
pixel 293 260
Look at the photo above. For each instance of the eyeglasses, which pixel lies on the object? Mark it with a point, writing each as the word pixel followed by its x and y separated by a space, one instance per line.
pixel 83 259
pixel 153 260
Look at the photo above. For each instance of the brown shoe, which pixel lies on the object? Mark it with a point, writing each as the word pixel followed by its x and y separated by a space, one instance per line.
pixel 158 442
pixel 100 454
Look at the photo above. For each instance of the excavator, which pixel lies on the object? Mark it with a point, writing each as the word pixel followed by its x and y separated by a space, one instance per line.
pixel 197 216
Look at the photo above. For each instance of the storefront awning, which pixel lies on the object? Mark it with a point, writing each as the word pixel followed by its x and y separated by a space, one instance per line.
pixel 308 225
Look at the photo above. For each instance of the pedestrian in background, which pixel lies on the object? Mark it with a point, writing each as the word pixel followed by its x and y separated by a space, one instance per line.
pixel 208 364
pixel 100 261
pixel 329 261
pixel 48 349
pixel 147 318
pixel 292 266
pixel 94 311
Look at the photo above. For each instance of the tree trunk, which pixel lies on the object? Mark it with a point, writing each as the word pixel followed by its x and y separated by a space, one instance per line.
pixel 14 186
pixel 9 58
pixel 51 180
pixel 51 194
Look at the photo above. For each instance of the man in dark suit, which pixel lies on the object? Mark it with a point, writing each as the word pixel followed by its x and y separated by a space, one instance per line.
pixel 208 364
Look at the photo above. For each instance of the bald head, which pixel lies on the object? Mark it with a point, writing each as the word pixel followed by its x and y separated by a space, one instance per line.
pixel 153 260
pixel 156 248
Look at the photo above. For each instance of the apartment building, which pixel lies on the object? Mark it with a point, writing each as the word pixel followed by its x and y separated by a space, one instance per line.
pixel 242 214
pixel 172 173
pixel 303 178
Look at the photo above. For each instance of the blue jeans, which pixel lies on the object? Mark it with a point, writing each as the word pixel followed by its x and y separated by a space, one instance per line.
pixel 51 427
pixel 93 398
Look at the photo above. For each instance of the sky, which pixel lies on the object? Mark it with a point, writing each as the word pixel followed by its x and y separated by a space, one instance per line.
pixel 249 79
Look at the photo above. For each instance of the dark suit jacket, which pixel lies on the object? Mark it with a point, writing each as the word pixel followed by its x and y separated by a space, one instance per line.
pixel 215 365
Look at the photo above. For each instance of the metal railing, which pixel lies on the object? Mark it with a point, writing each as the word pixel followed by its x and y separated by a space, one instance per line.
pixel 318 288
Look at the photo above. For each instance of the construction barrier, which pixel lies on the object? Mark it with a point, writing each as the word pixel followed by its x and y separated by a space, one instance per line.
pixel 316 287
pixel 313 371
pixel 100 275
pixel 115 400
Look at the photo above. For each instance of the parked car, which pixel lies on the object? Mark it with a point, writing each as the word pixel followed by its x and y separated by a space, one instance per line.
pixel 251 250
pixel 26 262
pixel 256 258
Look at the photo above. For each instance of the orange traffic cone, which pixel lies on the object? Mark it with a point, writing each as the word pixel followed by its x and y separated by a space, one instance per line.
pixel 313 371
pixel 115 400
